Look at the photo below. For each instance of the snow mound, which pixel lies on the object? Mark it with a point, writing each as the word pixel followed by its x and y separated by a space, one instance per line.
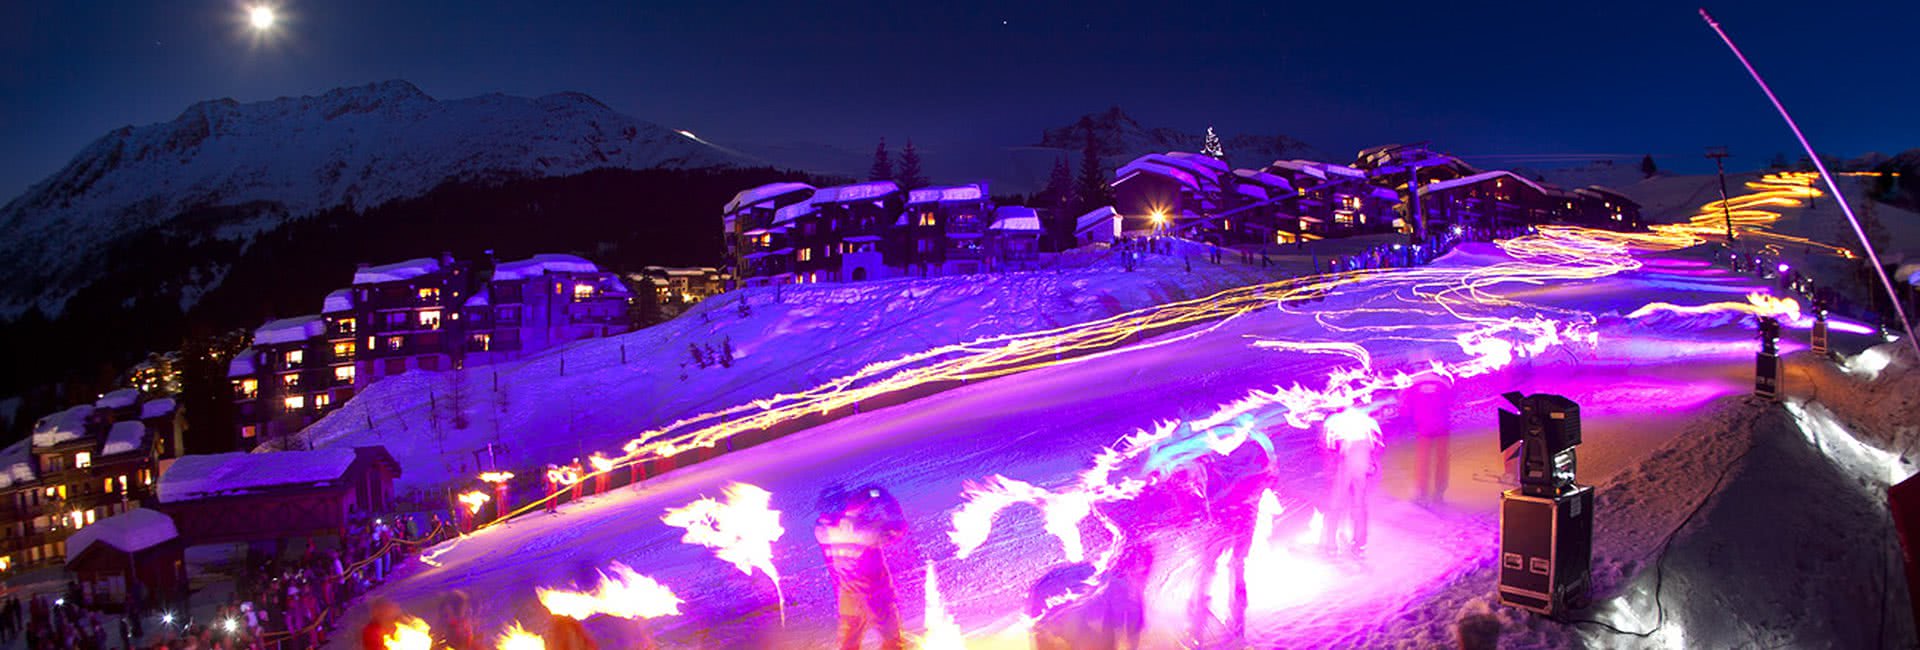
pixel 129 532
pixel 157 408
pixel 539 264
pixel 397 271
pixel 198 477
pixel 16 464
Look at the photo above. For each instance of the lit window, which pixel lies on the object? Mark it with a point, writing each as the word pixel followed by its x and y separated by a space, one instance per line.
pixel 343 374
pixel 346 325
pixel 582 291
pixel 62 490
pixel 50 493
pixel 249 388
pixel 83 459
pixel 290 380
pixel 123 482
pixel 430 319
pixel 107 485
pixel 294 357
pixel 321 400
pixel 394 343
pixel 482 342
pixel 806 254
pixel 296 402
pixel 90 516
pixel 344 350
pixel 926 218
pixel 429 293
pixel 249 431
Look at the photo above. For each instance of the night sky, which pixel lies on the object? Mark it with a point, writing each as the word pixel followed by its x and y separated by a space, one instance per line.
pixel 1558 78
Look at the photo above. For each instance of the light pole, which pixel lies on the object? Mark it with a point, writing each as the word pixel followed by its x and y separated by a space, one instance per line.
pixel 1719 155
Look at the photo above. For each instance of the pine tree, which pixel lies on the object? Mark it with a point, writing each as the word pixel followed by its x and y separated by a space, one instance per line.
pixel 1212 146
pixel 1647 168
pixel 882 169
pixel 1093 179
pixel 909 175
pixel 1059 193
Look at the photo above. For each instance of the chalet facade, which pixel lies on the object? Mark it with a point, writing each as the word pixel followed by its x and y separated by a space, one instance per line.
pixel 682 285
pixel 421 314
pixel 793 233
pixel 1296 200
pixel 79 466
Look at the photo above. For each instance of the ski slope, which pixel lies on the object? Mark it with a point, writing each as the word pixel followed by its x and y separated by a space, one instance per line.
pixel 1640 385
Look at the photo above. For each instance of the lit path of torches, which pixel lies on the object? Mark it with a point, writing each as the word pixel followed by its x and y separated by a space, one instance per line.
pixel 1556 254
pixel 1751 215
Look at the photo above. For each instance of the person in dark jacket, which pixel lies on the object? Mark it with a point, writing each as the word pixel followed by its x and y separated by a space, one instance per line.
pixel 854 528
pixel 1235 478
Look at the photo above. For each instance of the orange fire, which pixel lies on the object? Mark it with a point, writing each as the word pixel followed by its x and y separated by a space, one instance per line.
pixel 473 500
pixel 623 594
pixel 410 633
pixel 496 477
pixel 600 463
pixel 518 638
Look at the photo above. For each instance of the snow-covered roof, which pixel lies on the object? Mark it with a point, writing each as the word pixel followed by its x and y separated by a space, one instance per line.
pixel 945 193
pixel 338 300
pixel 290 330
pixel 209 475
pixel 479 298
pixel 757 195
pixel 1015 218
pixel 122 398
pixel 542 263
pixel 132 531
pixel 791 212
pixel 681 271
pixel 1138 167
pixel 244 363
pixel 1318 169
pixel 62 426
pixel 1252 190
pixel 1385 194
pixel 16 464
pixel 855 192
pixel 397 271
pixel 1094 218
pixel 1269 180
pixel 124 437
pixel 1478 178
pixel 1218 165
pixel 157 408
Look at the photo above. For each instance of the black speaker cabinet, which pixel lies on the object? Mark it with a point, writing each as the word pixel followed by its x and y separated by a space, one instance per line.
pixel 1766 376
pixel 1546 550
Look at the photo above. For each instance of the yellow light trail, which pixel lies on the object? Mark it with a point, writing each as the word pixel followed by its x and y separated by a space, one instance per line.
pixel 1751 215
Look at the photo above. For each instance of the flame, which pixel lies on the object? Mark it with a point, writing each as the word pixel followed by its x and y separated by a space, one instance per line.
pixel 518 638
pixel 563 476
pixel 410 633
pixel 600 463
pixel 473 500
pixel 623 594
pixel 1351 425
pixel 943 633
pixel 496 477
pixel 741 530
pixel 1757 304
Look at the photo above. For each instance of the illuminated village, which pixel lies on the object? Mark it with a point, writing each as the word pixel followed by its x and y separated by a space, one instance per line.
pixel 623 387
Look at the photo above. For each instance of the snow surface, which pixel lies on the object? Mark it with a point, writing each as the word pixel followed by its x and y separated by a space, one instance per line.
pixel 338 300
pixel 129 532
pixel 542 263
pixel 1015 218
pixel 124 437
pixel 115 399
pixel 17 458
pixel 291 157
pixel 855 192
pixel 1666 386
pixel 157 408
pixel 62 426
pixel 208 475
pixel 397 271
pixel 289 330
pixel 756 195
pixel 245 363
pixel 945 193
pixel 1477 178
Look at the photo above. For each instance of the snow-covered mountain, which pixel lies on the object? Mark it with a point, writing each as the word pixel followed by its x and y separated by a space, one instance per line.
pixel 253 166
pixel 1119 138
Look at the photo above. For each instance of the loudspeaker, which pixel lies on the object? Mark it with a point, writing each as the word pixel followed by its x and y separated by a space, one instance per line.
pixel 1766 376
pixel 1546 550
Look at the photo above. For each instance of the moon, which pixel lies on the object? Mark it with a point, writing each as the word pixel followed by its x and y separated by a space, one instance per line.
pixel 261 17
